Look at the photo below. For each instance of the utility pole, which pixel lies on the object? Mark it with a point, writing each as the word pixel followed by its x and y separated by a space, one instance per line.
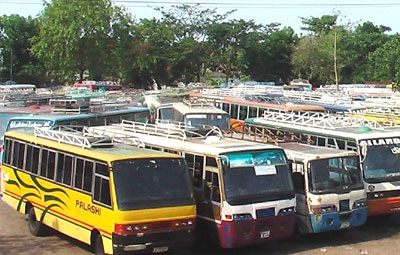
pixel 334 60
pixel 11 65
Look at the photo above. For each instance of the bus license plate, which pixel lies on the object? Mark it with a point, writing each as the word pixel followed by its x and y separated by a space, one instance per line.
pixel 265 234
pixel 345 225
pixel 160 249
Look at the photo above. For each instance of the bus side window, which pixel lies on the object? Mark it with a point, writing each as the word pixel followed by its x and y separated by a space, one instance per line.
pixel 18 155
pixel 32 159
pixel 48 164
pixel 101 192
pixel 64 168
pixel 83 174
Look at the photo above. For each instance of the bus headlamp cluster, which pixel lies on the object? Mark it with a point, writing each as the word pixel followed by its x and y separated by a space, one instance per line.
pixel 286 210
pixel 239 217
pixel 184 224
pixel 361 203
pixel 321 209
pixel 126 229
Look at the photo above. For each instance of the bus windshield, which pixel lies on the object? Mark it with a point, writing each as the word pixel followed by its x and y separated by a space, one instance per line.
pixel 382 163
pixel 258 176
pixel 199 120
pixel 151 183
pixel 333 174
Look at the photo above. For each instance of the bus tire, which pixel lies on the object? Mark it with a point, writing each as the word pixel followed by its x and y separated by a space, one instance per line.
pixel 35 227
pixel 98 247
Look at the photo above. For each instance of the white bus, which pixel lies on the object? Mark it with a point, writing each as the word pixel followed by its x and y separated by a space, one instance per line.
pixel 243 190
pixel 193 114
pixel 330 194
pixel 378 148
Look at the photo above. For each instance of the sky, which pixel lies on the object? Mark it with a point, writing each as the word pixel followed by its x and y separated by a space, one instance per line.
pixel 285 12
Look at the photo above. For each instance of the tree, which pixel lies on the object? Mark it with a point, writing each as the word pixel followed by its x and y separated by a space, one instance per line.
pixel 15 50
pixel 226 40
pixel 316 56
pixel 364 40
pixel 384 62
pixel 76 37
pixel 191 25
pixel 318 26
pixel 268 54
pixel 152 42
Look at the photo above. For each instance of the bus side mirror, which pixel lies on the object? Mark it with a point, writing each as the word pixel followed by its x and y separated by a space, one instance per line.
pixel 364 150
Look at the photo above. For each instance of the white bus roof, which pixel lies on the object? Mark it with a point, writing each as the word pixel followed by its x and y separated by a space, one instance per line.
pixel 303 151
pixel 212 145
pixel 197 108
pixel 325 125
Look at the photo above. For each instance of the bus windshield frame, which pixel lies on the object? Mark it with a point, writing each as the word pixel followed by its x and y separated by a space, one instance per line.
pixel 256 176
pixel 381 163
pixel 151 183
pixel 337 175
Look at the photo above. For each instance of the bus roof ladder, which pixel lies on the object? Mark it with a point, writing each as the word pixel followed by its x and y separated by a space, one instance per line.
pixel 76 139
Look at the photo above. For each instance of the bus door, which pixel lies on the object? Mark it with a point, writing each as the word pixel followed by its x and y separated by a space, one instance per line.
pixel 299 182
pixel 212 195
pixel 209 204
pixel 210 210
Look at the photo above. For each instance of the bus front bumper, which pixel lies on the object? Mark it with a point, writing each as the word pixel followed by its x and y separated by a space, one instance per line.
pixel 152 243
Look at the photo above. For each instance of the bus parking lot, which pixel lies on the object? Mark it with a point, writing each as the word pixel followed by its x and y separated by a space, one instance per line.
pixel 380 235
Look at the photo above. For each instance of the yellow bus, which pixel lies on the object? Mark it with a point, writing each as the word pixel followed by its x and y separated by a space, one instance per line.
pixel 115 197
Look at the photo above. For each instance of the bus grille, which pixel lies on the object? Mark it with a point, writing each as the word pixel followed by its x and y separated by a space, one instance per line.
pixel 344 205
pixel 160 226
pixel 261 213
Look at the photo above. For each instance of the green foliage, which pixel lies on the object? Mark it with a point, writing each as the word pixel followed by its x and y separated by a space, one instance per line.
pixel 318 26
pixel 384 63
pixel 77 36
pixel 18 64
pixel 188 44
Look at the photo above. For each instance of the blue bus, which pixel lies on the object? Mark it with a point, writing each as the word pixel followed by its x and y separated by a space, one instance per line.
pixel 138 114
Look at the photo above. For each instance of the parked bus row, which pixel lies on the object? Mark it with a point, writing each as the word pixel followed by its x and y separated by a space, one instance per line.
pixel 240 109
pixel 328 183
pixel 245 192
pixel 378 147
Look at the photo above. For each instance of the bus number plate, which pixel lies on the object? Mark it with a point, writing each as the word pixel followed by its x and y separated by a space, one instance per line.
pixel 265 234
pixel 160 249
pixel 345 224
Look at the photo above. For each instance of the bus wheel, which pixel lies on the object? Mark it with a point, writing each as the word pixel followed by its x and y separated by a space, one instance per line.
pixel 98 246
pixel 35 227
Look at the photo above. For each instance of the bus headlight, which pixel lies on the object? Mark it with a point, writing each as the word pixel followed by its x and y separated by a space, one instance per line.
pixel 286 210
pixel 321 209
pixel 238 217
pixel 360 203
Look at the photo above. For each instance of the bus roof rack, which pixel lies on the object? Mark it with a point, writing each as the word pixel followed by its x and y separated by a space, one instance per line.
pixel 73 138
pixel 131 130
pixel 318 119
pixel 116 137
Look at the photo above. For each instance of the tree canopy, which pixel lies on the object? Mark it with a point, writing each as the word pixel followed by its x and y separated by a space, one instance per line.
pixel 75 40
